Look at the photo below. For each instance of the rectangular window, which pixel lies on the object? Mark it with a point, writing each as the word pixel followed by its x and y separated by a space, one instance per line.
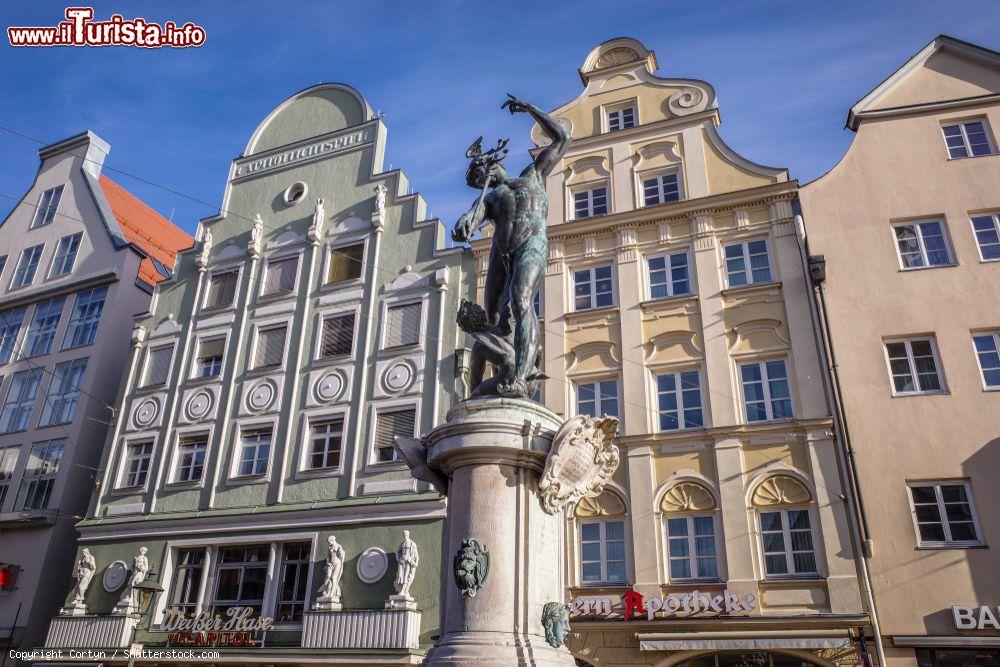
pixel 402 325
pixel 668 275
pixel 240 578
pixel 661 189
pixel 158 365
pixel 921 244
pixel 988 353
pixel 691 547
pixel 222 289
pixel 913 365
pixel 765 390
pixel 191 459
pixel 10 326
pixel 65 256
pixel 20 400
pixel 136 469
pixel 587 203
pixel 788 543
pixel 679 396
pixel 967 139
pixel 64 393
pixel 8 461
pixel 597 399
pixel 280 276
pixel 82 329
pixel 294 581
pixel 387 426
pixel 345 263
pixel 40 475
pixel 338 336
pixel 943 514
pixel 602 551
pixel 47 205
pixel 747 263
pixel 27 264
pixel 255 450
pixel 621 119
pixel 270 347
pixel 187 581
pixel 987 229
pixel 3 263
pixel 42 331
pixel 325 441
pixel 593 288
pixel 208 361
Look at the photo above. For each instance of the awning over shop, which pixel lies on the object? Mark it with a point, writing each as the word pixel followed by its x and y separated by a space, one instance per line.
pixel 759 640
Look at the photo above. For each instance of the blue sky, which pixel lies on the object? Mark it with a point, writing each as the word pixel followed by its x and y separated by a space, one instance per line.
pixel 785 72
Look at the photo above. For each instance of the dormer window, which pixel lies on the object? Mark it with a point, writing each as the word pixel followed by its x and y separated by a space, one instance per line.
pixel 621 118
pixel 47 205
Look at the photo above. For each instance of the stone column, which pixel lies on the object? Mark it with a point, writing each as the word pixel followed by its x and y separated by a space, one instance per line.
pixel 493 451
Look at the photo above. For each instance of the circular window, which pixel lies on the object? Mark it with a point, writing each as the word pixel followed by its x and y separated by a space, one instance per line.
pixel 295 193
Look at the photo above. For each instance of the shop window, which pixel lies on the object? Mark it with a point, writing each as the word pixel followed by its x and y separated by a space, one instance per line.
pixel 294 582
pixel 241 577
pixel 184 595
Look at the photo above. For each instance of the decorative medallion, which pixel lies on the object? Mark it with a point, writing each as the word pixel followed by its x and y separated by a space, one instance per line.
pixel 114 576
pixel 329 387
pixel 555 622
pixel 472 566
pixel 146 413
pixel 398 377
pixel 261 396
pixel 199 405
pixel 581 461
pixel 372 564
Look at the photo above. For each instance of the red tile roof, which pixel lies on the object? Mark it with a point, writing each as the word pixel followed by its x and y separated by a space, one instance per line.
pixel 157 236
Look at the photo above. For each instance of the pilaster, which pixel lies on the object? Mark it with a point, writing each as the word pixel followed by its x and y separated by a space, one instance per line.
pixel 642 483
pixel 554 309
pixel 736 533
pixel 633 371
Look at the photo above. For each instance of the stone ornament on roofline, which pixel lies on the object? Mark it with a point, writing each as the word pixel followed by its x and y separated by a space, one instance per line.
pixel 580 463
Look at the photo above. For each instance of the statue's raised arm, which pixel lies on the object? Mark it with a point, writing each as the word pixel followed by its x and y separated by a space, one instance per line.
pixel 549 156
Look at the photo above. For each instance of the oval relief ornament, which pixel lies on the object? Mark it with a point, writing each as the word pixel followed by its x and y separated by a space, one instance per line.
pixel 329 387
pixel 581 461
pixel 146 413
pixel 398 377
pixel 114 576
pixel 372 564
pixel 261 396
pixel 199 405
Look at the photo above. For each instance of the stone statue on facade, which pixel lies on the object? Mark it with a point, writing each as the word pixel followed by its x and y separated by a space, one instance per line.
pixel 129 601
pixel 256 236
pixel 83 572
pixel 407 560
pixel 380 192
pixel 329 592
pixel 316 228
pixel 506 329
pixel 206 248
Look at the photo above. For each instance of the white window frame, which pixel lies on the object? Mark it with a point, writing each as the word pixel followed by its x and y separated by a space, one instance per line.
pixel 73 324
pixel 280 257
pixel 309 439
pixel 25 279
pixel 620 107
pixel 194 373
pixel 598 402
pixel 920 243
pixel 947 543
pixel 72 256
pixel 306 417
pixel 995 217
pixel 238 269
pixel 908 343
pixel 786 537
pixel 590 188
pixel 251 366
pixel 692 556
pixel 987 131
pixel 603 541
pixel 383 325
pixel 235 476
pixel 146 359
pixel 328 258
pixel 321 319
pixel 592 280
pixel 177 459
pixel 127 459
pixel 389 406
pixel 747 267
pixel 671 291
pixel 279 569
pixel 766 381
pixel 995 335
pixel 679 396
pixel 42 211
pixel 659 174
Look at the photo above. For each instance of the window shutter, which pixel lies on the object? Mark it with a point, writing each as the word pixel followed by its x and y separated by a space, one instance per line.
pixel 389 425
pixel 338 335
pixel 270 347
pixel 158 365
pixel 345 263
pixel 222 290
pixel 211 348
pixel 402 325
pixel 281 275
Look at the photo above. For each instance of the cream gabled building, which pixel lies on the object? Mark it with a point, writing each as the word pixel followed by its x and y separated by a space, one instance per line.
pixel 675 297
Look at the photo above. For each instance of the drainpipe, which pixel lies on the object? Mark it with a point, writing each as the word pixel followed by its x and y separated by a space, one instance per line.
pixel 815 268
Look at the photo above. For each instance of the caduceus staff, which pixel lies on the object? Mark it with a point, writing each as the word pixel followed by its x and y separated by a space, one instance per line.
pixel 491 158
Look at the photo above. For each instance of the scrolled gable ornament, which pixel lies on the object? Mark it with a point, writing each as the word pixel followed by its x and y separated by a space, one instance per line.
pixel 581 461
pixel 472 566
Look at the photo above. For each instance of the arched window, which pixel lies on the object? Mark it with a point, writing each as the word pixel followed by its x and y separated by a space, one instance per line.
pixel 787 543
pixel 689 518
pixel 601 532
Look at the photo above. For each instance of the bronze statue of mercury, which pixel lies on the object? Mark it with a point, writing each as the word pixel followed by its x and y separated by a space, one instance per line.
pixel 505 330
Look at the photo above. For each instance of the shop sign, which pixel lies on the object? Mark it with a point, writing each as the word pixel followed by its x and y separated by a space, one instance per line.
pixel 973 618
pixel 237 628
pixel 634 604
pixel 285 158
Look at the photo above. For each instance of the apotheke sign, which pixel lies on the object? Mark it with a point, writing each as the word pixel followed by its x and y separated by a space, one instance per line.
pixel 975 618
pixel 635 604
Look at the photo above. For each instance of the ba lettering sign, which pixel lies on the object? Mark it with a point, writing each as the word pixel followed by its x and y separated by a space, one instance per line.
pixel 634 604
pixel 237 628
pixel 973 618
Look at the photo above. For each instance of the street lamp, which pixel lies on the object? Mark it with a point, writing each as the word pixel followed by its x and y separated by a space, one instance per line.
pixel 147 591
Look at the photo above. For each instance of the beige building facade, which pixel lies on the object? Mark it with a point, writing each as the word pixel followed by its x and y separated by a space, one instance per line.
pixel 908 224
pixel 676 298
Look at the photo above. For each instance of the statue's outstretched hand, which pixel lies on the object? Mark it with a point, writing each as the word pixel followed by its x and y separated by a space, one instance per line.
pixel 514 105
